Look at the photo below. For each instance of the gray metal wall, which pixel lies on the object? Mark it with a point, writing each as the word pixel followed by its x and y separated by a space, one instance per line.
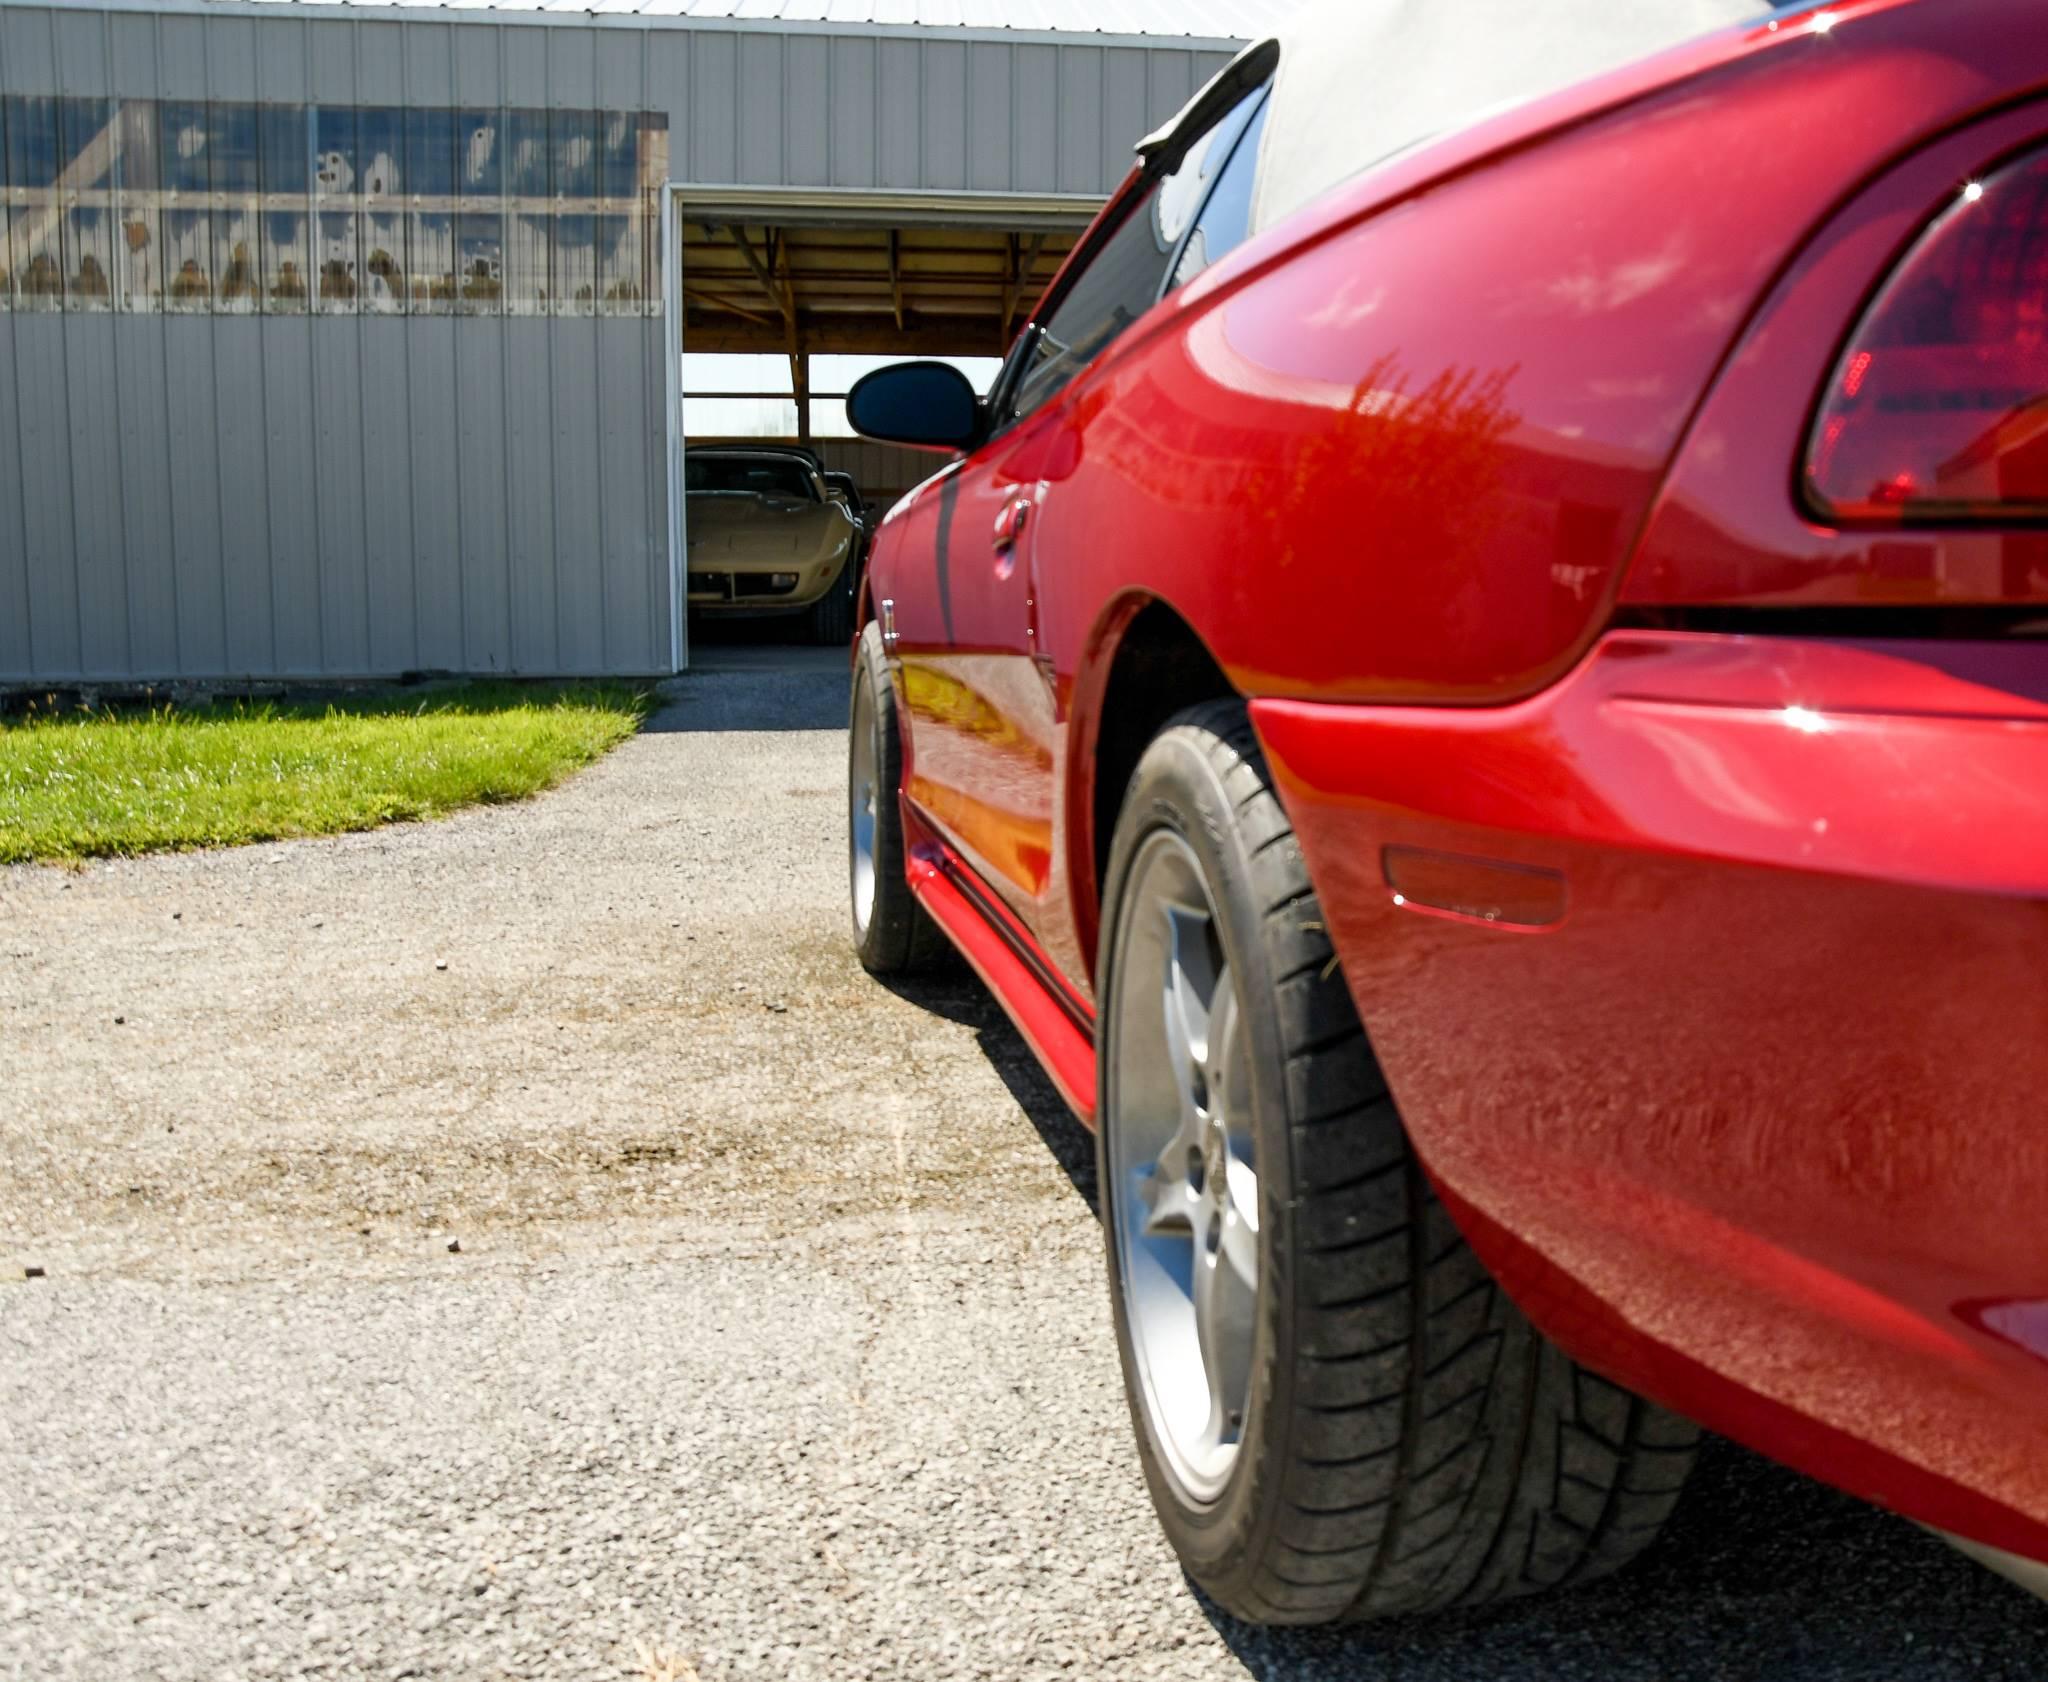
pixel 226 496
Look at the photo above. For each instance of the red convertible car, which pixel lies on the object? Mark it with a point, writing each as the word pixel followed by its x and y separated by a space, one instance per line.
pixel 1478 687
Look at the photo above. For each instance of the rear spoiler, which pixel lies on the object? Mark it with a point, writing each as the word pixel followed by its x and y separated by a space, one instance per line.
pixel 1164 147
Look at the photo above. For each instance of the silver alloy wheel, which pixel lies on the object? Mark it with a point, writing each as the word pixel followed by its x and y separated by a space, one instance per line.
pixel 1186 1189
pixel 863 755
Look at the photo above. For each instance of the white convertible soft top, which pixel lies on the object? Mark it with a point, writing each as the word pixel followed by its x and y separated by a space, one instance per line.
pixel 1360 80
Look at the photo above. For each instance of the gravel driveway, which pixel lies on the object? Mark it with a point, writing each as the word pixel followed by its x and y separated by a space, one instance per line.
pixel 527 1245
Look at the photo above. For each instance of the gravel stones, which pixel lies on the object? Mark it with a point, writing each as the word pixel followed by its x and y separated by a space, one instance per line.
pixel 779 1348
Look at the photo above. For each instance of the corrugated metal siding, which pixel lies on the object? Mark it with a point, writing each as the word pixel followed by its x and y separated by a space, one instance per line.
pixel 1213 20
pixel 1218 19
pixel 222 496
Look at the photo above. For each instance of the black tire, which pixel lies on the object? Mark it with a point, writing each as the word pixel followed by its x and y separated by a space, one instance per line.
pixel 830 620
pixel 1410 1442
pixel 897 936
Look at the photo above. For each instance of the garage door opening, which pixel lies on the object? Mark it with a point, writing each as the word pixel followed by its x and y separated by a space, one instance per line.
pixel 781 301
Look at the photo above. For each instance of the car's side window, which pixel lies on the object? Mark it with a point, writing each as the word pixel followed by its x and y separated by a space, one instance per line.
pixel 1125 276
pixel 1119 285
pixel 1226 215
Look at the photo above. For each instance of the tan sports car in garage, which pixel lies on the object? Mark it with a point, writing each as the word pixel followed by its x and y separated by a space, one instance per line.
pixel 766 536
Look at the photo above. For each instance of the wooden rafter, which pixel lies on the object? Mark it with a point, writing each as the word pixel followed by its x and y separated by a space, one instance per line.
pixel 777 295
pixel 826 290
pixel 876 335
pixel 992 283
pixel 718 301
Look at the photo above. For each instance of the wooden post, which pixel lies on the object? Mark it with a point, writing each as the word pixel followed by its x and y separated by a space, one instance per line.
pixel 1015 286
pixel 799 354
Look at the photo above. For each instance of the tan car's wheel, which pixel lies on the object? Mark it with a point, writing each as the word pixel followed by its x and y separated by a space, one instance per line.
pixel 1340 1415
pixel 830 619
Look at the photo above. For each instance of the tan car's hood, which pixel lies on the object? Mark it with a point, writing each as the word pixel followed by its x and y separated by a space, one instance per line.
pixel 727 527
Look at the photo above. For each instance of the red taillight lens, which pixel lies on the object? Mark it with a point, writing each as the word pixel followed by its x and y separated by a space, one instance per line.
pixel 1938 410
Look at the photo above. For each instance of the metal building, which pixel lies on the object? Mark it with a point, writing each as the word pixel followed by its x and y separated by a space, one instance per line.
pixel 342 339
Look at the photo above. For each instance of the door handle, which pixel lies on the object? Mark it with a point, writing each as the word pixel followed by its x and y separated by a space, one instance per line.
pixel 1010 524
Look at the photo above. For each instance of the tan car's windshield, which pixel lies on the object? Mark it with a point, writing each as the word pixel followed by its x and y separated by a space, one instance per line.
pixel 747 476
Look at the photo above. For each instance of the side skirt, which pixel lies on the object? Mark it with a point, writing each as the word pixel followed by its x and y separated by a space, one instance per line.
pixel 1058 1027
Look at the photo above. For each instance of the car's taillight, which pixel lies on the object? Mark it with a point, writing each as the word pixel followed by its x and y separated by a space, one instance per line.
pixel 1938 410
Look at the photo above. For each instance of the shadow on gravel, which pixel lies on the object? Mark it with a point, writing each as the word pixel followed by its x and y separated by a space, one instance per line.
pixel 742 700
pixel 728 699
pixel 1761 1575
pixel 751 676
pixel 955 992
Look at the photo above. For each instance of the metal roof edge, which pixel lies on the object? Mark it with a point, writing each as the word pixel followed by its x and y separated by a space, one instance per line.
pixel 350 10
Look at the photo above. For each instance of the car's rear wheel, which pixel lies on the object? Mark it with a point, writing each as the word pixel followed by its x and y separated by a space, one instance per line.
pixel 891 931
pixel 1340 1415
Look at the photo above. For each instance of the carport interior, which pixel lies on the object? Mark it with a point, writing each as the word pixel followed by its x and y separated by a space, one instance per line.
pixel 809 278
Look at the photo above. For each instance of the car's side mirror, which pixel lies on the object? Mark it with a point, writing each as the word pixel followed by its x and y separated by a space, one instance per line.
pixel 927 405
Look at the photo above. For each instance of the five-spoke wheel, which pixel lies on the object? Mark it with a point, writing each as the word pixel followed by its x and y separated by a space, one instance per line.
pixel 1187 1188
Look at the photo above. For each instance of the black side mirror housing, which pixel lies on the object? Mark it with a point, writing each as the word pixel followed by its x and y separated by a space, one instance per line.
pixel 927 405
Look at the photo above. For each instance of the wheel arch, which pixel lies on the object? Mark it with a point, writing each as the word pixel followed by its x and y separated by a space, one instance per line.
pixel 863 602
pixel 1143 663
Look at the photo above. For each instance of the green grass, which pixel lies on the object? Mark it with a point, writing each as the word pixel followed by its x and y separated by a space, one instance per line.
pixel 91 784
